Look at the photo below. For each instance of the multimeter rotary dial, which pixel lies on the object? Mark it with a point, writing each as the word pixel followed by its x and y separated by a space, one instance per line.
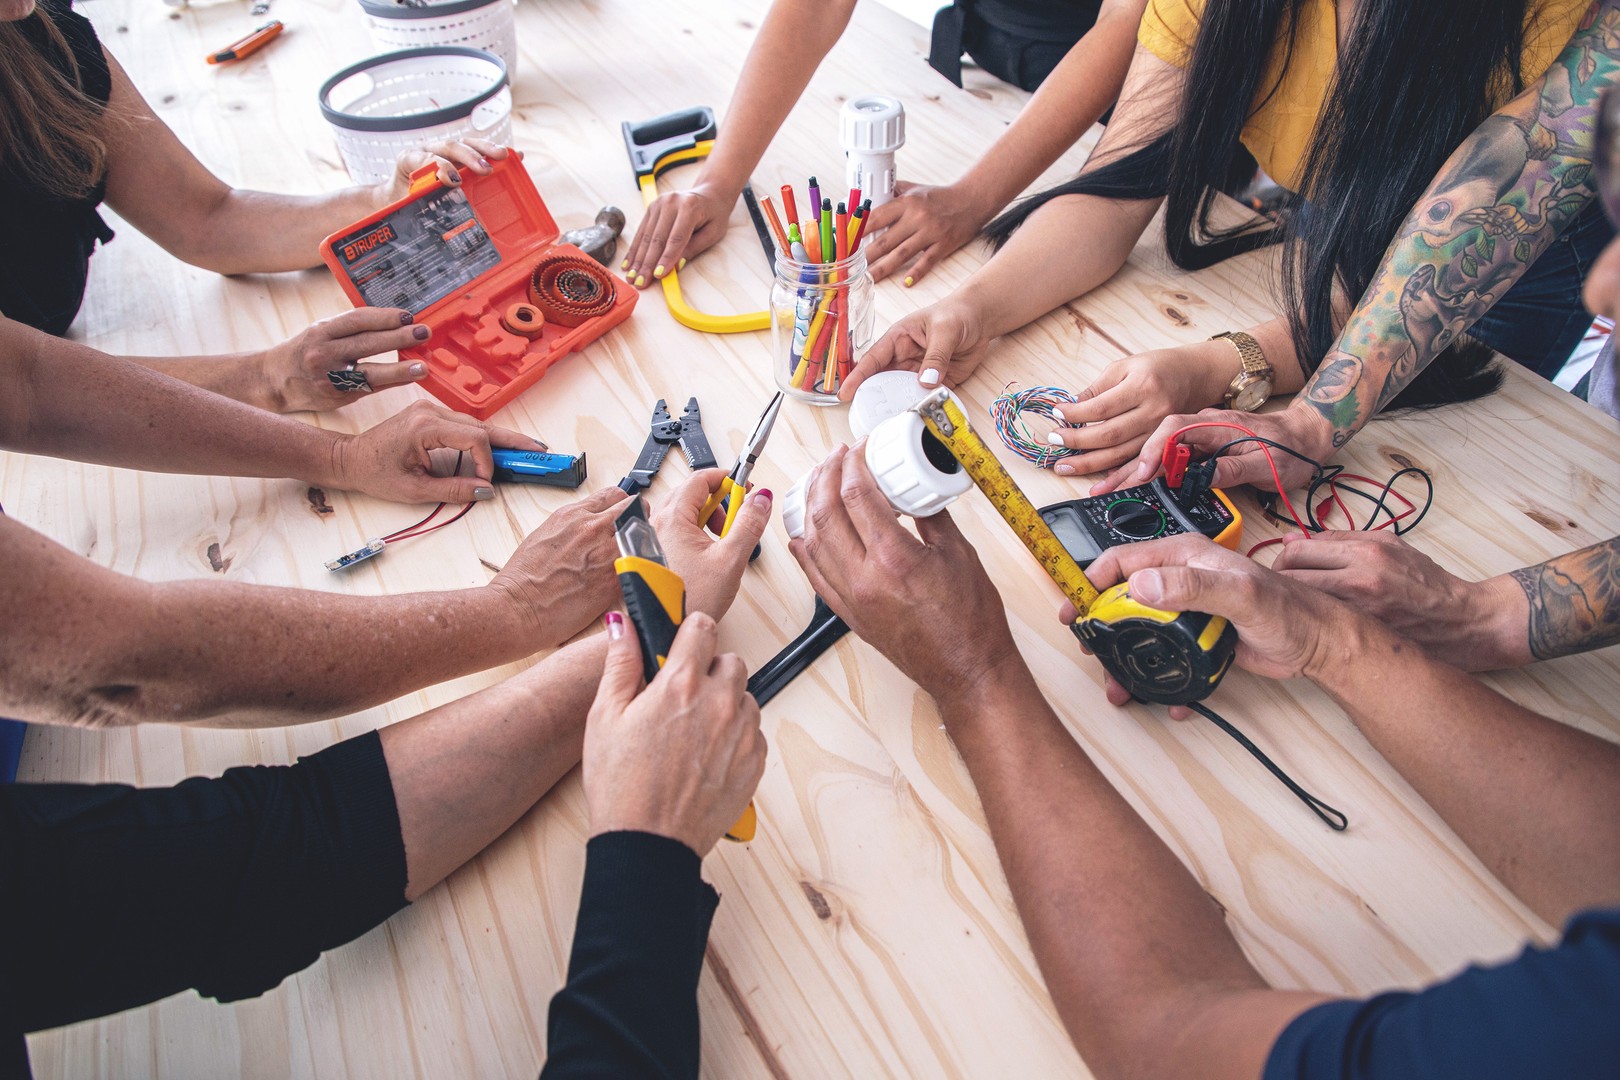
pixel 1135 519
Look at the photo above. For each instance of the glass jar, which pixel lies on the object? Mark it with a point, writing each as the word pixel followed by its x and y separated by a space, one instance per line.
pixel 821 315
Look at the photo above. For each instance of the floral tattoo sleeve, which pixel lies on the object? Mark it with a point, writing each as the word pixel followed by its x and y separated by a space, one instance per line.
pixel 1499 202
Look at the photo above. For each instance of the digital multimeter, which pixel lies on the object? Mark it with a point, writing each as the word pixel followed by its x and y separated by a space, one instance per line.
pixel 1088 527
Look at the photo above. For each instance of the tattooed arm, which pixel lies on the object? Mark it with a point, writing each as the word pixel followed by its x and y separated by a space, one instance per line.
pixel 1501 199
pixel 1574 601
pixel 1565 605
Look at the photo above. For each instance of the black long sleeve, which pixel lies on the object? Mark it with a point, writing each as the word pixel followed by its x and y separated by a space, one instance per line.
pixel 630 1006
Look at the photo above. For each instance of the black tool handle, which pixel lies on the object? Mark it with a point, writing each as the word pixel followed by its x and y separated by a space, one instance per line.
pixel 824 630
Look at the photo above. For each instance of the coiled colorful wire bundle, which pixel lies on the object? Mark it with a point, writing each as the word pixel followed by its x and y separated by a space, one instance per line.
pixel 1008 413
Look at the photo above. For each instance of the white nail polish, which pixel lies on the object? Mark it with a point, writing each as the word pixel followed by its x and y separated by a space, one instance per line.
pixel 1055 438
pixel 929 377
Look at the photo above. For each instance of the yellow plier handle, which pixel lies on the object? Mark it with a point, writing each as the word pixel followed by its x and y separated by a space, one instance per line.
pixel 727 487
pixel 685 313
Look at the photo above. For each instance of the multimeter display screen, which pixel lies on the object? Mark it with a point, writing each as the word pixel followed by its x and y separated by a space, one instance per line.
pixel 1088 527
pixel 1071 532
pixel 421 253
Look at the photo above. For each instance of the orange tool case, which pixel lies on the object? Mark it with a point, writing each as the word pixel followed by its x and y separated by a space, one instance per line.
pixel 457 258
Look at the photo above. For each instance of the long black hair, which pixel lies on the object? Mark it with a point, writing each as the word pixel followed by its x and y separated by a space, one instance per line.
pixel 1414 79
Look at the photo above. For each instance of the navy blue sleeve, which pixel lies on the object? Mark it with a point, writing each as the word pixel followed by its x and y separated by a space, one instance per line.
pixel 630 1005
pixel 1550 1012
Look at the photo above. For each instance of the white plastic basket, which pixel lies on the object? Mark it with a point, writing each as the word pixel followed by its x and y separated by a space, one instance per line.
pixel 383 106
pixel 475 24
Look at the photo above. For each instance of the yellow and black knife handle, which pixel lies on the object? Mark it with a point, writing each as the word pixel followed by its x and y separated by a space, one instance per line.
pixel 1166 657
pixel 655 598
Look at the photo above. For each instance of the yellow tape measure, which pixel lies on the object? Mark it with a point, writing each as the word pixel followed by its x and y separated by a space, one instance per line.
pixel 1171 657
pixel 949 425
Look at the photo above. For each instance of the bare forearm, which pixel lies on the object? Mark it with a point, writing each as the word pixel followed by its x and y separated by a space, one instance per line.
pixel 74 402
pixel 254 232
pixel 221 654
pixel 1499 202
pixel 1538 801
pixel 463 773
pixel 792 42
pixel 1067 248
pixel 239 376
pixel 1073 97
pixel 1124 935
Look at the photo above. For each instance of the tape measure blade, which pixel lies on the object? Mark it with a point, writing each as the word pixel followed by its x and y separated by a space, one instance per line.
pixel 1009 500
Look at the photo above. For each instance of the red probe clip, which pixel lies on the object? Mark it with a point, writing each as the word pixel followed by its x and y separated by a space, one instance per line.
pixel 1176 458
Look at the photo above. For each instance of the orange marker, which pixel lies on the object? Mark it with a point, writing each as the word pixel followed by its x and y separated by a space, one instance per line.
pixel 248 45
pixel 788 204
pixel 782 244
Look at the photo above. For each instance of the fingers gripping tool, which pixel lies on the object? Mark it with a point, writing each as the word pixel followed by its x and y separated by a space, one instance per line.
pixel 1167 657
pixel 655 600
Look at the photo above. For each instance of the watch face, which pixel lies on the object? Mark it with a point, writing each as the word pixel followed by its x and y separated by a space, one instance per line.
pixel 1253 395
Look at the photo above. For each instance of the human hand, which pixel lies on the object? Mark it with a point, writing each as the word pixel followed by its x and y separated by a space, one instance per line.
pixel 293 374
pixel 711 567
pixel 921 225
pixel 394 459
pixel 681 758
pixel 1473 625
pixel 1298 428
pixel 1130 398
pixel 561 576
pixel 451 157
pixel 1283 627
pixel 677 225
pixel 907 598
pixel 943 343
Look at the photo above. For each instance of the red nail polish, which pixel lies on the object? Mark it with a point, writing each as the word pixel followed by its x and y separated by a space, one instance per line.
pixel 615 625
pixel 764 495
pixel 421 333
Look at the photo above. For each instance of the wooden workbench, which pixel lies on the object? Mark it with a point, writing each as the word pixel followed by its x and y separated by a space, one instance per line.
pixel 867 931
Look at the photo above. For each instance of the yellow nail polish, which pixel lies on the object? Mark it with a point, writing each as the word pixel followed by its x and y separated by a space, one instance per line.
pixel 908 282
pixel 658 271
pixel 624 265
pixel 681 265
pixel 641 280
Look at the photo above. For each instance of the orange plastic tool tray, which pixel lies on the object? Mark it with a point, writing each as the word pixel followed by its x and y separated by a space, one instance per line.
pixel 475 365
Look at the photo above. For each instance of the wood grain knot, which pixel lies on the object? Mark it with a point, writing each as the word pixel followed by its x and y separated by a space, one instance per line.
pixel 818 902
pixel 317 501
pixel 219 565
pixel 1548 521
pixel 1174 315
pixel 982 95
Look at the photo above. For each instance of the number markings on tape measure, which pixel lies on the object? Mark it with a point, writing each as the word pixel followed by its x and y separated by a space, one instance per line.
pixel 950 426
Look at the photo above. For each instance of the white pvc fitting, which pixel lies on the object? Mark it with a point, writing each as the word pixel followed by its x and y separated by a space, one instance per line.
pixel 870 129
pixel 886 394
pixel 914 471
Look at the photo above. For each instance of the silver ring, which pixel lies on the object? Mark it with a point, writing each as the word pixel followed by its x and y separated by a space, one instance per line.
pixel 350 380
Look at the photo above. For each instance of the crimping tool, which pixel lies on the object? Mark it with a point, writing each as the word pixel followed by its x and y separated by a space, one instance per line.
pixel 664 433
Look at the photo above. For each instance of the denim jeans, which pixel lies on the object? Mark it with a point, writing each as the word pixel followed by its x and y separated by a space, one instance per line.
pixel 1541 319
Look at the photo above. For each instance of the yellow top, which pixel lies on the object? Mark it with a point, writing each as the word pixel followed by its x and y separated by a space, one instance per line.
pixel 1279 133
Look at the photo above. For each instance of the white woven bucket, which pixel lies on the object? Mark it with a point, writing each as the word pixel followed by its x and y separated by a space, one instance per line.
pixel 476 24
pixel 388 104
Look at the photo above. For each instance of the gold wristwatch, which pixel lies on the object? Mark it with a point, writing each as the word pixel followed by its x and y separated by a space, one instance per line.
pixel 1250 387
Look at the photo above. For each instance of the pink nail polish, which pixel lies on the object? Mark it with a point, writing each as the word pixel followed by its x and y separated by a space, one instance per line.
pixel 615 625
pixel 764 495
pixel 421 333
